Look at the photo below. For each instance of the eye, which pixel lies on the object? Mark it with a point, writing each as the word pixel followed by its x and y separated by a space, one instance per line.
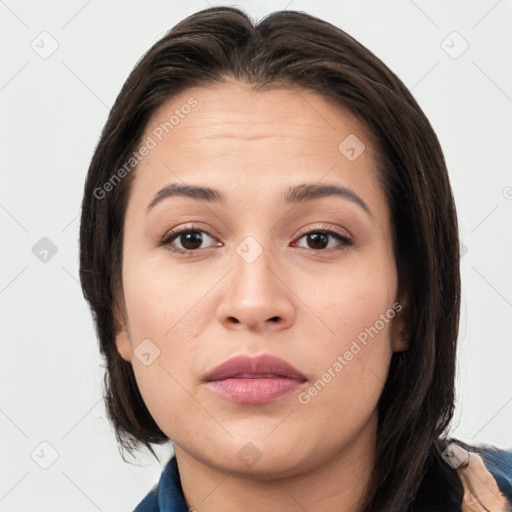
pixel 320 239
pixel 189 239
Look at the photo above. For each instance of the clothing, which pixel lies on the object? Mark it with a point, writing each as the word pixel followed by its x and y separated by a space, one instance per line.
pixel 167 495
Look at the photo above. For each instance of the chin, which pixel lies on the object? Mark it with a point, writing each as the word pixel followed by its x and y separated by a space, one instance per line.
pixel 279 465
pixel 266 458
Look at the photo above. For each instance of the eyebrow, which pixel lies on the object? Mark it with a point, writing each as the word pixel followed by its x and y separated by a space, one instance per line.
pixel 296 194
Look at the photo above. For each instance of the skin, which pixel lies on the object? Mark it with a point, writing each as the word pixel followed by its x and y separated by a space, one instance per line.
pixel 252 146
pixel 481 492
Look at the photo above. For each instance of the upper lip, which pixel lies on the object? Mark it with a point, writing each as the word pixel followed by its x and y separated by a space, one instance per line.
pixel 259 366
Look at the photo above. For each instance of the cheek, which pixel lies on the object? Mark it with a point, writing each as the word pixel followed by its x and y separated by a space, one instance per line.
pixel 351 359
pixel 350 368
pixel 162 323
pixel 355 299
pixel 160 297
pixel 352 362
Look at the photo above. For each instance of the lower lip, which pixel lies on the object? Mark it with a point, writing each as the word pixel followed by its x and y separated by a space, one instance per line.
pixel 254 391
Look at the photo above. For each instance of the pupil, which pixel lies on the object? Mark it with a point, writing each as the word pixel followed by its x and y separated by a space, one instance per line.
pixel 190 238
pixel 318 240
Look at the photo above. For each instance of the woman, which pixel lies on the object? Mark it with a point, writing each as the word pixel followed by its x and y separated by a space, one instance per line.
pixel 269 246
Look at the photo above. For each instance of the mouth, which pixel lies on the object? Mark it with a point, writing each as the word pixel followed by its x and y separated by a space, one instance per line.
pixel 254 380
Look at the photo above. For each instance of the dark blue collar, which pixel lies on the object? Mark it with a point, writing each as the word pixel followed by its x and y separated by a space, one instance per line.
pixel 167 496
pixel 171 496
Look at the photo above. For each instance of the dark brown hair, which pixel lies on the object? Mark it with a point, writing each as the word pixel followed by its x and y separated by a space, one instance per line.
pixel 295 50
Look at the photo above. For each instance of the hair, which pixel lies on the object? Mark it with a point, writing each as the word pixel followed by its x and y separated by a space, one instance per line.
pixel 290 49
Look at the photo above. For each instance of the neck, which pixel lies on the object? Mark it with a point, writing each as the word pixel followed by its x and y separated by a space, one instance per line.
pixel 338 483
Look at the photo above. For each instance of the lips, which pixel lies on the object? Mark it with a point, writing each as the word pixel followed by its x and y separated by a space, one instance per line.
pixel 247 367
pixel 254 380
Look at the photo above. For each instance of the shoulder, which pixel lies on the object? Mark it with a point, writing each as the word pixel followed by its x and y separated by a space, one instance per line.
pixel 167 495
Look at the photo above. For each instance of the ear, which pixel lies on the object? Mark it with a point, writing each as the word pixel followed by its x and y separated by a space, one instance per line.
pixel 123 339
pixel 401 332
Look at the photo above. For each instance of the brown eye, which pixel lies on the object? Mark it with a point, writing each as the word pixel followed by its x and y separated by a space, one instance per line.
pixel 186 240
pixel 320 240
pixel 190 240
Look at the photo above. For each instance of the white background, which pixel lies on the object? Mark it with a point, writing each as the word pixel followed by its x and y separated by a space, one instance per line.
pixel 52 111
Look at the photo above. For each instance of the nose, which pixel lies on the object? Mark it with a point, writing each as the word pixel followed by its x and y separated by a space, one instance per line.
pixel 256 296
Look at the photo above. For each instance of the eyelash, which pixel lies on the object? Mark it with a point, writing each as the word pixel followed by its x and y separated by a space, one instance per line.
pixel 169 237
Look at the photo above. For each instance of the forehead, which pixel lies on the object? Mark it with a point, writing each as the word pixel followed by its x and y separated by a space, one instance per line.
pixel 247 142
pixel 234 109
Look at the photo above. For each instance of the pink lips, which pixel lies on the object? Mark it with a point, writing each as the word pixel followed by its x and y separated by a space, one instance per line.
pixel 254 380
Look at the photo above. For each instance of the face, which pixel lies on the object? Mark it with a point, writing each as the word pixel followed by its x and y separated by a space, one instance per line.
pixel 256 272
